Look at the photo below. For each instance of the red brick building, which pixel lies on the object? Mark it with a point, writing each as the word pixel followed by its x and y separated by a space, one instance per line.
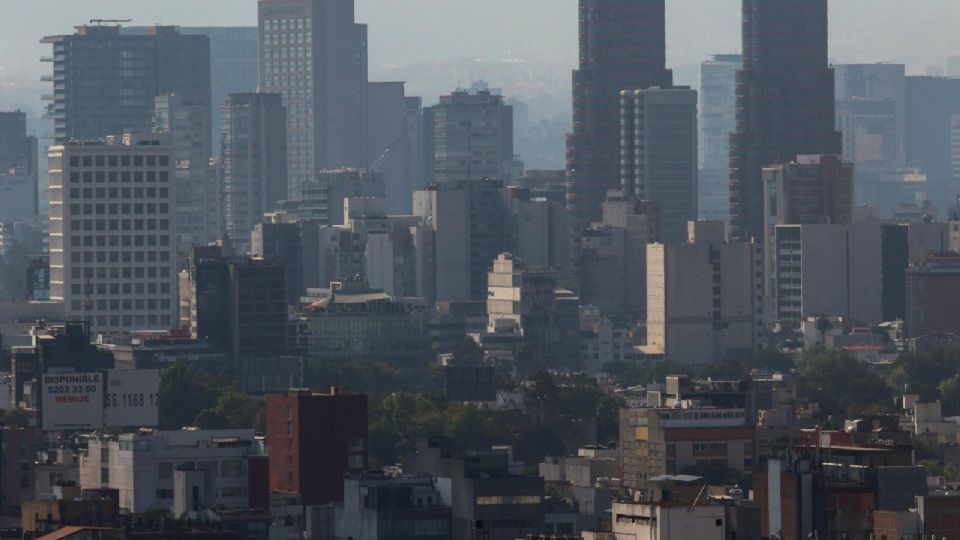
pixel 314 440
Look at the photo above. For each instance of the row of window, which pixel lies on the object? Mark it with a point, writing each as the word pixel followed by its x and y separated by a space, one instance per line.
pixel 139 304
pixel 124 225
pixel 127 321
pixel 126 177
pixel 114 160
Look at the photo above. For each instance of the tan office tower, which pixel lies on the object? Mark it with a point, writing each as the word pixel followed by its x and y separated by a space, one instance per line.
pixel 112 241
pixel 315 55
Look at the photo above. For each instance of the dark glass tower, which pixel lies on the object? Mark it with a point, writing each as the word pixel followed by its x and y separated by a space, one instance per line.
pixel 105 81
pixel 784 100
pixel 622 47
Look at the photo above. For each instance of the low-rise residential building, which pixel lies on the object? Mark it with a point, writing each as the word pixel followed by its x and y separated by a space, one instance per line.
pixel 178 471
pixel 683 439
pixel 376 507
pixel 17 468
pixel 350 322
pixel 485 490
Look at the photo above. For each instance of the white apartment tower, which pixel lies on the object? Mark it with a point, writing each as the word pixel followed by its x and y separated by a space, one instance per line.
pixel 704 298
pixel 112 236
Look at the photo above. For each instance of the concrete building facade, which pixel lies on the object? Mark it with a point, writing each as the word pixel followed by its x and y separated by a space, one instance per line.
pixel 855 271
pixel 704 298
pixel 473 137
pixel 112 238
pixel 173 470
pixel 471 224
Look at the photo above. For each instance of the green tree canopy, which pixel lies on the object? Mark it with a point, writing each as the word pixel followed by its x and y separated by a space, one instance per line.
pixel 839 382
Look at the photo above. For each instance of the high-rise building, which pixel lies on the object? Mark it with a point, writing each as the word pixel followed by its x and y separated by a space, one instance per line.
pixel 955 148
pixel 105 82
pixel 19 189
pixel 933 296
pixel 785 105
pixel 931 104
pixel 473 137
pixel 622 47
pixel 658 149
pixel 254 161
pixel 394 128
pixel 196 193
pixel 854 271
pixel 314 440
pixel 810 190
pixel 718 109
pixel 613 257
pixel 315 55
pixel 472 224
pixel 704 298
pixel 871 111
pixel 718 119
pixel 112 239
pixel 234 64
pixel 323 199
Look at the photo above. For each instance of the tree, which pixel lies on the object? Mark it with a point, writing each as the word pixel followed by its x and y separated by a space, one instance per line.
pixel 184 393
pixel 922 373
pixel 773 360
pixel 234 410
pixel 838 381
pixel 949 391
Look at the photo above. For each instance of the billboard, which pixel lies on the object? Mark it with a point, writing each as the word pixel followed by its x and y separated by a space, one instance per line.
pixel 72 401
pixel 130 399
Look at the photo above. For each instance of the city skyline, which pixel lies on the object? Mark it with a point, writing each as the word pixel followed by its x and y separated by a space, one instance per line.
pixel 696 29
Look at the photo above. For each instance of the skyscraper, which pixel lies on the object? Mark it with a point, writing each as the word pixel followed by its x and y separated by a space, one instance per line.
pixel 473 136
pixel 105 82
pixel 315 55
pixel 196 194
pixel 18 168
pixel 718 119
pixel 658 149
pixel 112 243
pixel 234 64
pixel 784 100
pixel 254 161
pixel 622 47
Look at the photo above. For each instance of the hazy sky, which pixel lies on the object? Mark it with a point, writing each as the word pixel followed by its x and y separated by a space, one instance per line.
pixel 538 33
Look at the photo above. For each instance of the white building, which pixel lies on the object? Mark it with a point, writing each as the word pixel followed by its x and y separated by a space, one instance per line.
pixel 112 236
pixel 179 471
pixel 655 521
pixel 704 298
